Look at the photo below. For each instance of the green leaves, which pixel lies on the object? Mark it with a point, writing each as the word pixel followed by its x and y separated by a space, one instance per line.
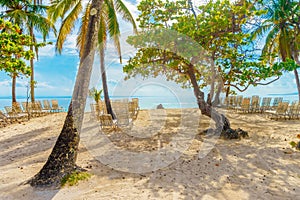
pixel 12 49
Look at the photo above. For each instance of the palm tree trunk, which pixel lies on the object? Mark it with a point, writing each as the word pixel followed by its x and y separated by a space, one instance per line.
pixel 13 89
pixel 32 70
pixel 61 161
pixel 296 74
pixel 104 85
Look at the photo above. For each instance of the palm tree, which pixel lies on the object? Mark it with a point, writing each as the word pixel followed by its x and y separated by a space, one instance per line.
pixel 108 25
pixel 280 25
pixel 62 159
pixel 29 16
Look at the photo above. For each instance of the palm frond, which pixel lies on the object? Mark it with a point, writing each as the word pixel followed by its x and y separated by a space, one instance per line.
pixel 261 30
pixel 126 15
pixel 67 25
pixel 59 8
pixel 113 26
pixel 271 39
pixel 83 29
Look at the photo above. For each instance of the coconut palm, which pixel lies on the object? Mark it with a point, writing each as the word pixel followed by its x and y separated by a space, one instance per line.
pixel 280 26
pixel 61 161
pixel 29 16
pixel 109 26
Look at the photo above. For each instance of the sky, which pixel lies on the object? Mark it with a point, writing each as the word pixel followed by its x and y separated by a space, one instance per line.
pixel 55 74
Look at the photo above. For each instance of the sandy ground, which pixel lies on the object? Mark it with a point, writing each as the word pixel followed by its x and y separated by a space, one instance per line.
pixel 162 155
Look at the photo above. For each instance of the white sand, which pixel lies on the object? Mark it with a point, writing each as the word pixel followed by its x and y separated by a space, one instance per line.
pixel 261 167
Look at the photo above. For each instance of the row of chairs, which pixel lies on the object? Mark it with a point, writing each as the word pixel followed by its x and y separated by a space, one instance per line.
pixel 125 111
pixel 18 113
pixel 278 109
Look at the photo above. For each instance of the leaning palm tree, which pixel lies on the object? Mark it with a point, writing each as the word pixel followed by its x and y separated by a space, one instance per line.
pixel 62 160
pixel 280 26
pixel 109 26
pixel 29 16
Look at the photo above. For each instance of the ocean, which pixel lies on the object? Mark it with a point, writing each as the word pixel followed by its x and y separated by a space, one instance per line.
pixel 145 102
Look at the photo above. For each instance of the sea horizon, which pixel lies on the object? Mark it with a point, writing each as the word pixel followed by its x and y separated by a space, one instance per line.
pixel 146 102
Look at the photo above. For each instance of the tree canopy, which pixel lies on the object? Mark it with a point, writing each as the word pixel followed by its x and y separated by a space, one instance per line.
pixel 221 28
pixel 13 50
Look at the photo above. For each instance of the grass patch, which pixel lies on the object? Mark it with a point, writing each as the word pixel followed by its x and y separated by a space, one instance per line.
pixel 293 144
pixel 74 178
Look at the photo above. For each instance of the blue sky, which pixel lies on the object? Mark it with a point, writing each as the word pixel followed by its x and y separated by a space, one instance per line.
pixel 55 74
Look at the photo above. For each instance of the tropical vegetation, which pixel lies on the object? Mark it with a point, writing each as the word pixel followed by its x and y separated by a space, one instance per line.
pixel 29 15
pixel 108 27
pixel 13 52
pixel 212 47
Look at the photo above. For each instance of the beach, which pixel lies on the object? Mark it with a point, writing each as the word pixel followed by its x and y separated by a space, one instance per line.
pixel 263 166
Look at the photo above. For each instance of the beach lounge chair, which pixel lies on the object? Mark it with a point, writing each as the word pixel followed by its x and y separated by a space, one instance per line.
pixel 266 104
pixel 245 106
pixel 37 106
pixel 121 110
pixel 255 104
pixel 239 100
pixel 132 110
pixel 56 107
pixel 42 108
pixel 293 110
pixel 17 109
pixel 47 106
pixel 281 111
pixel 4 120
pixel 14 116
pixel 231 102
pixel 276 102
pixel 106 121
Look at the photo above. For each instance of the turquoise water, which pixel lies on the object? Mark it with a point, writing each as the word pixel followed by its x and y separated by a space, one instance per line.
pixel 145 102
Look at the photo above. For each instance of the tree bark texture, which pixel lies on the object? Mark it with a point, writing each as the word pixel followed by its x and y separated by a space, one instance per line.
pixel 104 84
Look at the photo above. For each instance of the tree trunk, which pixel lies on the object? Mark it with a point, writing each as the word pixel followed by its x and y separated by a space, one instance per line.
pixel 32 70
pixel 297 75
pixel 104 85
pixel 222 123
pixel 13 89
pixel 62 159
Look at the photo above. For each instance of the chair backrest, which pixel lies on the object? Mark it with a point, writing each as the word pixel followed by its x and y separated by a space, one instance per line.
pixel 266 101
pixel 9 110
pixel 239 100
pixel 46 105
pixel 106 120
pixel 2 116
pixel 16 107
pixel 36 106
pixel 293 108
pixel 282 107
pixel 276 101
pixel 136 102
pixel 255 102
pixel 246 103
pixel 54 104
pixel 27 106
pixel 231 101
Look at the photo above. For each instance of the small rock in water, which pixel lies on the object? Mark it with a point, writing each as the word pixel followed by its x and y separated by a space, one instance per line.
pixel 160 106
